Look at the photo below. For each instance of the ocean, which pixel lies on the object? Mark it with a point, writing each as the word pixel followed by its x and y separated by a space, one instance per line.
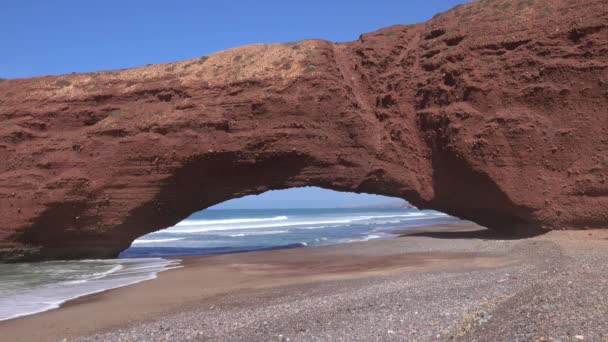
pixel 229 231
pixel 28 288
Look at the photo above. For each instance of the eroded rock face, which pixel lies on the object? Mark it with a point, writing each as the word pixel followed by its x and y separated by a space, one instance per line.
pixel 495 111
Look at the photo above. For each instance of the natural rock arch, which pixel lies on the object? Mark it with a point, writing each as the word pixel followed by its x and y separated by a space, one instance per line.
pixel 502 122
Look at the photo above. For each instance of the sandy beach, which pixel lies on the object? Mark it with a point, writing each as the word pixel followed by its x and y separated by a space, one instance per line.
pixel 454 282
pixel 304 171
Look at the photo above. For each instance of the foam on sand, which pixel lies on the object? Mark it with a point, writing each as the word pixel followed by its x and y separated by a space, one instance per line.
pixel 30 288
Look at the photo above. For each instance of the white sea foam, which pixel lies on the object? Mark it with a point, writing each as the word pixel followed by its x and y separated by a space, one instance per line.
pixel 364 238
pixel 202 226
pixel 97 275
pixel 145 241
pixel 376 222
pixel 271 232
pixel 229 221
pixel 371 237
pixel 31 288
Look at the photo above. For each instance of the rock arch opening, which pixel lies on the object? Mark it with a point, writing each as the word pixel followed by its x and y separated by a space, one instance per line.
pixel 131 201
pixel 289 218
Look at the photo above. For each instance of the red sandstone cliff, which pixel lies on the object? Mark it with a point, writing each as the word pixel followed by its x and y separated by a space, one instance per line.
pixel 495 111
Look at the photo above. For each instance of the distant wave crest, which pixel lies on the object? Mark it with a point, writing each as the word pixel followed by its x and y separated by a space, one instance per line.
pixel 202 226
pixel 142 241
pixel 271 232
pixel 229 221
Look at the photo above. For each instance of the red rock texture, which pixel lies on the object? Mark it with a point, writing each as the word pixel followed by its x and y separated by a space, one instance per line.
pixel 495 111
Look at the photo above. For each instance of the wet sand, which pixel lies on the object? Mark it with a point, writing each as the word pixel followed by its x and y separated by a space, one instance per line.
pixel 430 284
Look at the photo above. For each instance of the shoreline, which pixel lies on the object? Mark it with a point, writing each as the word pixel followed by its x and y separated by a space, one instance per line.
pixel 253 269
pixel 441 280
pixel 53 296
pixel 386 234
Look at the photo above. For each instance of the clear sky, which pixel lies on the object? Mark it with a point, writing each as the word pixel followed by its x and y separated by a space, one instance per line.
pixel 308 197
pixel 41 37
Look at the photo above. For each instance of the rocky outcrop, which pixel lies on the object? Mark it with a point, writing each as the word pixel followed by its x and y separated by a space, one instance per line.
pixel 495 111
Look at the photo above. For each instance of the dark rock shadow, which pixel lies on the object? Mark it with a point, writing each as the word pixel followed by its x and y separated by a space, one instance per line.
pixel 482 233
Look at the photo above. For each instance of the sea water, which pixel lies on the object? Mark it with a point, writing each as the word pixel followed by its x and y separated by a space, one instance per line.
pixel 27 288
pixel 229 231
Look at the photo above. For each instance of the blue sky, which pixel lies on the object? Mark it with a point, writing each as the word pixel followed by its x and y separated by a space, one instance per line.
pixel 307 197
pixel 41 37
